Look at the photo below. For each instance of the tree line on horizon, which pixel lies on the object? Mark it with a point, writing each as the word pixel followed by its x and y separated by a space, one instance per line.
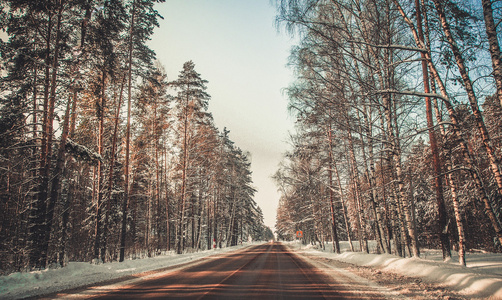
pixel 101 157
pixel 398 125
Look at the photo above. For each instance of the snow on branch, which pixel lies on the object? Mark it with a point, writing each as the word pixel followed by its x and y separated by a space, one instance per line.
pixel 408 93
pixel 389 46
pixel 422 130
pixel 81 152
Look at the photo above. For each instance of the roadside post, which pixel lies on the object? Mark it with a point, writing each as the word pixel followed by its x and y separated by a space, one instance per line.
pixel 299 235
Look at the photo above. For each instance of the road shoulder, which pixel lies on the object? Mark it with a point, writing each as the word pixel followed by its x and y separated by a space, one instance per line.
pixel 391 285
pixel 55 286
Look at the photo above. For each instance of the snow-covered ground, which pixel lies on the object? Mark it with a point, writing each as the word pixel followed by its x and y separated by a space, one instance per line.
pixel 481 278
pixel 80 274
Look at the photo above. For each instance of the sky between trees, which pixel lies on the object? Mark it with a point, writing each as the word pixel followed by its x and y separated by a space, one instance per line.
pixel 236 46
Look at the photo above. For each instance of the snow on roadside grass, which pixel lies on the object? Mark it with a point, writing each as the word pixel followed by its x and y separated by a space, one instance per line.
pixel 482 278
pixel 78 274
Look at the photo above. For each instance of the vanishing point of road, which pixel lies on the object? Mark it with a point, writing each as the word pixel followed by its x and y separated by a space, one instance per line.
pixel 267 271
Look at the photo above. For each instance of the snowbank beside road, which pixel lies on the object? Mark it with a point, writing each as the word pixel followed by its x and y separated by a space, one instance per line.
pixel 482 278
pixel 457 278
pixel 80 274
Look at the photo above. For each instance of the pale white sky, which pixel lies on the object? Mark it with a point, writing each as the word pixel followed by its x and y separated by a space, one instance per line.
pixel 236 47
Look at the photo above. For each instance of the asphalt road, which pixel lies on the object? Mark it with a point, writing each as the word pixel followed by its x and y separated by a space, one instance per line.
pixel 267 271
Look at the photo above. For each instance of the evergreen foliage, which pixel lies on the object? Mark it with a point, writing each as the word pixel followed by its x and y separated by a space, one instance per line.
pixel 73 68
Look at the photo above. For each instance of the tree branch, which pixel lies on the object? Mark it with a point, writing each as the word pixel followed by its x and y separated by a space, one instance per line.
pixel 409 93
pixel 389 46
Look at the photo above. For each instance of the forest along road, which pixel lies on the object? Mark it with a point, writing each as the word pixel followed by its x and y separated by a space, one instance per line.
pixel 267 271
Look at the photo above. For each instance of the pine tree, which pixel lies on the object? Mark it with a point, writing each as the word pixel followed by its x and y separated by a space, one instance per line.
pixel 142 20
pixel 191 100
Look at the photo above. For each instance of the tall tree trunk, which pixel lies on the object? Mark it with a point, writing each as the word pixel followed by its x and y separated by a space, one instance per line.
pixel 182 202
pixel 344 209
pixel 125 202
pixel 438 178
pixel 112 165
pixel 73 115
pixel 50 126
pixel 168 215
pixel 100 109
pixel 334 231
pixel 396 156
pixel 38 208
pixel 68 130
pixel 35 207
pixel 491 33
pixel 42 210
pixel 453 190
pixel 215 218
pixel 389 225
pixel 208 222
pixel 357 216
pixel 64 220
pixel 60 160
pixel 448 160
pixel 357 195
pixel 231 222
pixel 157 177
pixel 148 217
pixel 193 205
pixel 133 208
pixel 369 174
